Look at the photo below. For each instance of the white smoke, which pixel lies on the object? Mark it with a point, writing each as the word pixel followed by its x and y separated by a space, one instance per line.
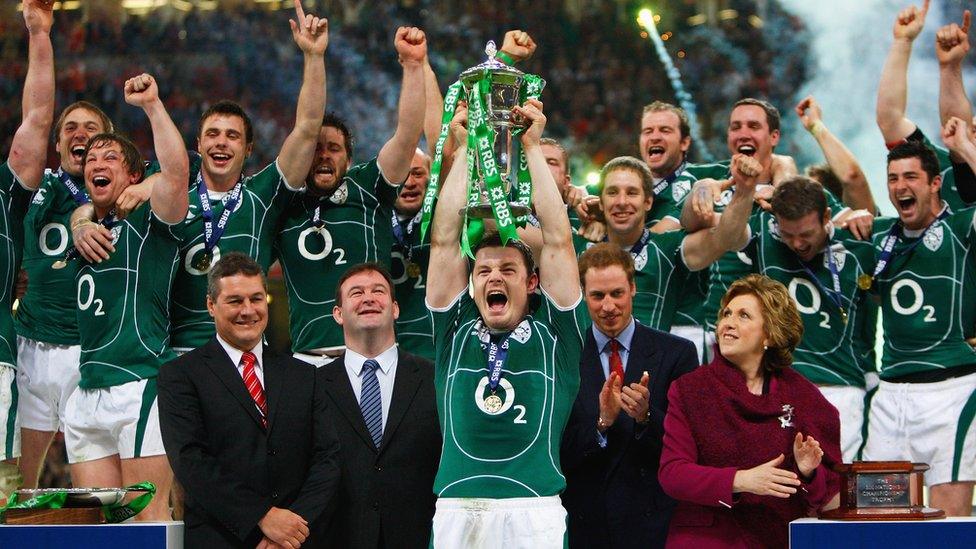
pixel 849 43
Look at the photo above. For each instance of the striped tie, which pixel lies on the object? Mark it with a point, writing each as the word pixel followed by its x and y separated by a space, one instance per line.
pixel 253 385
pixel 370 401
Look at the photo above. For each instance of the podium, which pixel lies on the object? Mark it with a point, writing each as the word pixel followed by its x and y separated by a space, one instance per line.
pixel 947 533
pixel 145 535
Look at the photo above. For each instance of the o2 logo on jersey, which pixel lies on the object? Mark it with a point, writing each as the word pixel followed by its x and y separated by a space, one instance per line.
pixel 916 304
pixel 813 308
pixel 490 404
pixel 62 242
pixel 313 232
pixel 191 259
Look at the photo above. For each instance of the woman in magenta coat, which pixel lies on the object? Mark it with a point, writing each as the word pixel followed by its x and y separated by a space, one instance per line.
pixel 748 442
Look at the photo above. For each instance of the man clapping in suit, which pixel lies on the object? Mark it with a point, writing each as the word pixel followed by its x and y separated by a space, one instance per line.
pixel 246 429
pixel 612 445
pixel 387 421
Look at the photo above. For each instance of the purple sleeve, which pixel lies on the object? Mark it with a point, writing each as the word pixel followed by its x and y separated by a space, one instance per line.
pixel 680 475
pixel 818 490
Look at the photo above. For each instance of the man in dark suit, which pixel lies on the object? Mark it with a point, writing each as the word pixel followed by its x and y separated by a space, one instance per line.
pixel 387 421
pixel 612 445
pixel 246 429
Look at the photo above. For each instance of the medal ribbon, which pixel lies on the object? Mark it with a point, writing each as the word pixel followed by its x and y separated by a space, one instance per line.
pixel 212 234
pixel 888 245
pixel 663 184
pixel 79 196
pixel 638 246
pixel 430 195
pixel 836 296
pixel 496 361
pixel 114 514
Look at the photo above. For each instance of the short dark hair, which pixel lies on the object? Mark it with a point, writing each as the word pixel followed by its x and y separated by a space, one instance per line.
pixel 130 153
pixel 772 113
pixel 797 197
pixel 823 174
pixel 917 149
pixel 603 255
pixel 107 126
pixel 332 120
pixel 554 143
pixel 494 240
pixel 229 108
pixel 684 126
pixel 369 266
pixel 632 164
pixel 230 264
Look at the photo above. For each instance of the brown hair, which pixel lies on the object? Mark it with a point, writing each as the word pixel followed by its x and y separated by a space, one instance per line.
pixel 632 164
pixel 772 113
pixel 797 197
pixel 553 143
pixel 230 264
pixel 226 107
pixel 684 127
pixel 603 255
pixel 494 240
pixel 781 320
pixel 369 266
pixel 821 173
pixel 131 154
pixel 107 126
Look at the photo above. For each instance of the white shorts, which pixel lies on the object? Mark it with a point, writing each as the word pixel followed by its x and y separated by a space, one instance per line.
pixel 697 335
pixel 512 523
pixel 121 420
pixel 47 374
pixel 9 424
pixel 849 402
pixel 926 423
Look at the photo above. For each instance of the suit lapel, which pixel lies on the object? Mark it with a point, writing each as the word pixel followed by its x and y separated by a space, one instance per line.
pixel 226 371
pixel 338 386
pixel 405 385
pixel 640 358
pixel 273 382
pixel 592 378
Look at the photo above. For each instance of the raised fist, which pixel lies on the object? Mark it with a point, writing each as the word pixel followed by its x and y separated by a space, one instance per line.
pixel 411 45
pixel 518 45
pixel 910 21
pixel 141 90
pixel 38 15
pixel 809 112
pixel 952 41
pixel 745 168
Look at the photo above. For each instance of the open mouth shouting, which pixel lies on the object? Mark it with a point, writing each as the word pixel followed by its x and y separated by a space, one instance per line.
pixel 655 153
pixel 496 301
pixel 905 204
pixel 747 149
pixel 100 181
pixel 78 152
pixel 220 159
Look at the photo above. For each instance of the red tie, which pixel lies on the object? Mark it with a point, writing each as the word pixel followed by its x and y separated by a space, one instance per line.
pixel 253 385
pixel 616 366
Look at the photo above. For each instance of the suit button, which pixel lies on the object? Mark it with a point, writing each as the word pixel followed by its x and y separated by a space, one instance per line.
pixel 376 505
pixel 274 495
pixel 379 467
pixel 271 452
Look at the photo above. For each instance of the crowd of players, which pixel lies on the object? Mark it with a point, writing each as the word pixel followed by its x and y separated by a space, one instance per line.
pixel 116 252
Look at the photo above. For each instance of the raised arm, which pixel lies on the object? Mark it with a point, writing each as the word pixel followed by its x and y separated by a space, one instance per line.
pixel 169 199
pixel 447 275
pixel 857 192
pixel 28 152
pixel 951 47
pixel 893 88
pixel 311 34
pixel 395 156
pixel 702 248
pixel 958 139
pixel 557 262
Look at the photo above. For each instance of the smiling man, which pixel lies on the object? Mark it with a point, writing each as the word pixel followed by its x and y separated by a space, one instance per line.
pixel 925 278
pixel 612 445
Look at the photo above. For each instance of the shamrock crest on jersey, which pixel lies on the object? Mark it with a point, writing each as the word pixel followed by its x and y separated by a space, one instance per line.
pixel 340 195
pixel 725 198
pixel 933 238
pixel 116 231
pixel 679 189
pixel 840 256
pixel 774 228
pixel 640 260
pixel 39 195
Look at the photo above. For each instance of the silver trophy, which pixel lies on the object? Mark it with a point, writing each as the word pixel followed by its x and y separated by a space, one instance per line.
pixel 506 82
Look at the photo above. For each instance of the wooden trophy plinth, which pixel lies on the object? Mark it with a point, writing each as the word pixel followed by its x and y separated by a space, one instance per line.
pixel 77 515
pixel 882 490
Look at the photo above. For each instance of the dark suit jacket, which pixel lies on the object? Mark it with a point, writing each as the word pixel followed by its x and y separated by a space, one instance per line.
pixel 231 468
pixel 386 496
pixel 612 494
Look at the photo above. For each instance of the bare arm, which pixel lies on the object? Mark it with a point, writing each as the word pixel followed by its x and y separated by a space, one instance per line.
pixel 857 192
pixel 311 34
pixel 698 211
pixel 893 88
pixel 702 248
pixel 28 152
pixel 395 156
pixel 448 273
pixel 957 137
pixel 557 262
pixel 951 47
pixel 169 199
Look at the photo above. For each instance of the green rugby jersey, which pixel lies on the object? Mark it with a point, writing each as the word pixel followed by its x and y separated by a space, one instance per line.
pixel 512 451
pixel 659 274
pixel 123 303
pixel 409 261
pixel 356 229
pixel 250 229
pixel 927 294
pixel 14 200
pixel 830 352
pixel 47 311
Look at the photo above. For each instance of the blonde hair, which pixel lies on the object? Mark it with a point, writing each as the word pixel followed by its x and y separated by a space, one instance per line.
pixel 781 320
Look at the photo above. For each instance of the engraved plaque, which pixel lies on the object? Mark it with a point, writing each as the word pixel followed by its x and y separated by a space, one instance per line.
pixel 883 490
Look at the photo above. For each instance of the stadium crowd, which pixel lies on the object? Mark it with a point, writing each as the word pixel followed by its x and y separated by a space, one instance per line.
pixel 683 357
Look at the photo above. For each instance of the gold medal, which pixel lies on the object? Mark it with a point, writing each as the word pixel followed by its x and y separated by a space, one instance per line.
pixel 843 315
pixel 864 281
pixel 59 264
pixel 202 263
pixel 413 270
pixel 493 404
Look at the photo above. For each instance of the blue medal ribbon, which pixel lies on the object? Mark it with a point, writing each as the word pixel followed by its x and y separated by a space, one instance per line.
pixel 835 295
pixel 79 196
pixel 211 233
pixel 497 353
pixel 663 184
pixel 638 246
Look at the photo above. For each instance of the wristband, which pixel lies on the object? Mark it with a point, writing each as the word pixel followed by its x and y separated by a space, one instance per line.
pixel 817 128
pixel 505 58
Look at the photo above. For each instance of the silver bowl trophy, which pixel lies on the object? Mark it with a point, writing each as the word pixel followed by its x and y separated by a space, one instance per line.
pixel 492 89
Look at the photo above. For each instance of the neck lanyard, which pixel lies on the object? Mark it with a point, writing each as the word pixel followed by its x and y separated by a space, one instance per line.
pixel 211 232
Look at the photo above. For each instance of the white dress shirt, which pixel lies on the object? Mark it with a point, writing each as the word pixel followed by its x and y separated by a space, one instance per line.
pixel 235 357
pixel 385 374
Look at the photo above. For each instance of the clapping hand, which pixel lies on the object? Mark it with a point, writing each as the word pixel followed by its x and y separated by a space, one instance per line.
pixel 766 480
pixel 807 453
pixel 635 399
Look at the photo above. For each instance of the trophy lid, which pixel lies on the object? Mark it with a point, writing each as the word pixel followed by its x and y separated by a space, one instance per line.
pixel 475 73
